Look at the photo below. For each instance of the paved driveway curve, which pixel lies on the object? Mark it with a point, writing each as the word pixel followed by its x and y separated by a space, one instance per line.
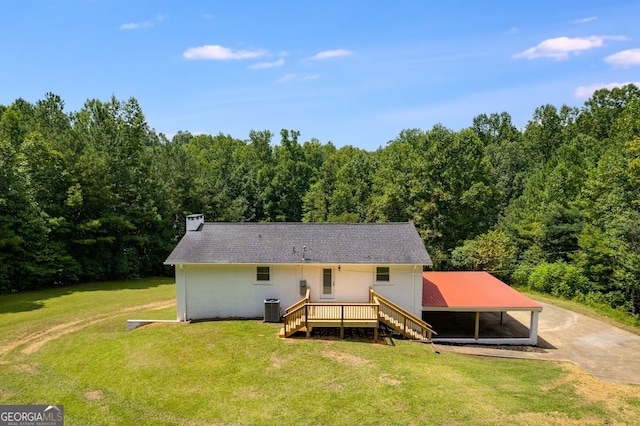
pixel 604 351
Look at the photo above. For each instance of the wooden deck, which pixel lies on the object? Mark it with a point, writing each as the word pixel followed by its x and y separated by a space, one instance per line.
pixel 304 315
pixel 342 315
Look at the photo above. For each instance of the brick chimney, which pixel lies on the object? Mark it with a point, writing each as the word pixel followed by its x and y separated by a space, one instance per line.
pixel 195 222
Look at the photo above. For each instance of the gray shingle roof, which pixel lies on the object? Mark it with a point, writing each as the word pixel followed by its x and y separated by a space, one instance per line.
pixel 273 243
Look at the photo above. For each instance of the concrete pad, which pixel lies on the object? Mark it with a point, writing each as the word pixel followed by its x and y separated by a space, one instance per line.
pixel 462 324
pixel 136 323
pixel 604 351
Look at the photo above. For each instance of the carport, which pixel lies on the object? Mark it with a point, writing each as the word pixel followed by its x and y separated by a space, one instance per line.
pixel 460 295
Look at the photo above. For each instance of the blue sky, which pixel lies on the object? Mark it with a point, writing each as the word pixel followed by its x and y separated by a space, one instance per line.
pixel 351 72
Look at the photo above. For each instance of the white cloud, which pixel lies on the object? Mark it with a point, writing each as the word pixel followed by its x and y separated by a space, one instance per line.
pixel 221 53
pixel 287 78
pixel 560 48
pixel 624 59
pixel 142 25
pixel 328 54
pixel 263 65
pixel 585 20
pixel 585 92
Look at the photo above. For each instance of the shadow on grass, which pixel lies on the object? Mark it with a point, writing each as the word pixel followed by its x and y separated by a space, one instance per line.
pixel 351 334
pixel 13 306
pixel 34 299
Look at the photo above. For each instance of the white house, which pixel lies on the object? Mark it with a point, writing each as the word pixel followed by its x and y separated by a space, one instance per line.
pixel 227 270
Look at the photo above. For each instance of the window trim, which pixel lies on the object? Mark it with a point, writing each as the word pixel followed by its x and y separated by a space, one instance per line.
pixel 378 274
pixel 258 273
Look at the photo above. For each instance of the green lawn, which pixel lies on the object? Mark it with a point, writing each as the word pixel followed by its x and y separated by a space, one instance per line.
pixel 69 346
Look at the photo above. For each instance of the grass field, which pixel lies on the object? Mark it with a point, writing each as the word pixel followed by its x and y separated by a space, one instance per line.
pixel 69 346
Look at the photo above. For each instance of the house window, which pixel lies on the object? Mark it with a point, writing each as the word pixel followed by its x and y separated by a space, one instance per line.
pixel 263 274
pixel 382 274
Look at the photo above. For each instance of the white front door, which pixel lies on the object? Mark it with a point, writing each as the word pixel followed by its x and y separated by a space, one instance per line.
pixel 328 284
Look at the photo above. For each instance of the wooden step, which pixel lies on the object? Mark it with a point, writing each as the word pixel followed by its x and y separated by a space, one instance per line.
pixel 399 327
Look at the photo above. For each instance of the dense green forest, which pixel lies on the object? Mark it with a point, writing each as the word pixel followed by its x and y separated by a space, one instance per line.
pixel 97 194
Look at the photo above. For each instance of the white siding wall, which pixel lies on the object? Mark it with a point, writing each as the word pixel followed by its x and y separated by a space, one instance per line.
pixel 181 309
pixel 231 291
pixel 404 288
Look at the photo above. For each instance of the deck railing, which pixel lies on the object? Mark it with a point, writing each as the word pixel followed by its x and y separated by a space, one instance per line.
pixel 308 315
pixel 342 311
pixel 299 303
pixel 295 319
pixel 401 320
pixel 304 314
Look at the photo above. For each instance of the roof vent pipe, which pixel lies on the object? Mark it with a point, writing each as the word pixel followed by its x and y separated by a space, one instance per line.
pixel 195 222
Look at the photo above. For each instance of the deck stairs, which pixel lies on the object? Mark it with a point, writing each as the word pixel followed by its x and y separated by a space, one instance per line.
pixel 400 320
pixel 295 317
pixel 304 315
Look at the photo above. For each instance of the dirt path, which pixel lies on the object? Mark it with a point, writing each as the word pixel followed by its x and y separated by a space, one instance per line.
pixel 34 341
pixel 604 351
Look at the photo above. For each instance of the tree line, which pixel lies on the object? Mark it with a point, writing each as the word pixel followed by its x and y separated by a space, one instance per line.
pixel 97 194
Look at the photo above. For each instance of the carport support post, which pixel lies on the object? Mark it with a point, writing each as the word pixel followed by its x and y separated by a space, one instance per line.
pixel 476 334
pixel 533 328
pixel 503 318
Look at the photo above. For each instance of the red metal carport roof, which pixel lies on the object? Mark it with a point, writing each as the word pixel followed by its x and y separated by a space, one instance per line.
pixel 471 291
